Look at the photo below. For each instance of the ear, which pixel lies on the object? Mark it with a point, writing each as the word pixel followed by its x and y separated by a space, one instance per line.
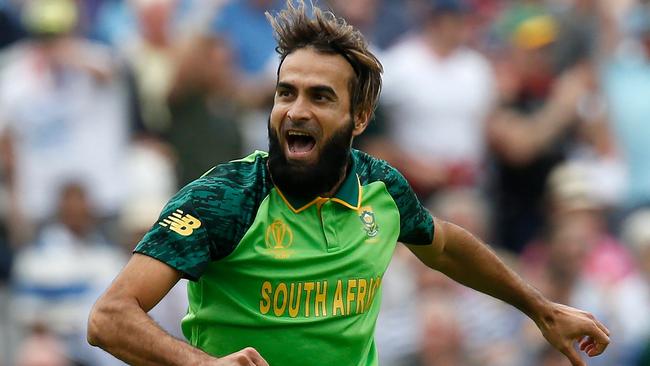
pixel 361 120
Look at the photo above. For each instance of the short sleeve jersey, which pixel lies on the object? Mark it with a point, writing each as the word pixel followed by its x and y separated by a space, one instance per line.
pixel 298 280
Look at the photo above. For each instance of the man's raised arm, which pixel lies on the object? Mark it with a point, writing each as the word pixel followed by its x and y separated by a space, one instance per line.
pixel 120 325
pixel 465 259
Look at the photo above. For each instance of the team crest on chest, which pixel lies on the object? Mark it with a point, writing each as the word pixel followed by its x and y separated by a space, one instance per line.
pixel 367 217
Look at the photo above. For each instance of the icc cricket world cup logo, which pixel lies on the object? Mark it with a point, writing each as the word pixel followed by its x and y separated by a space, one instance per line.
pixel 278 236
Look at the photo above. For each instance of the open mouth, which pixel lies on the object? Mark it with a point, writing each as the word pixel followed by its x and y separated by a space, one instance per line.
pixel 300 143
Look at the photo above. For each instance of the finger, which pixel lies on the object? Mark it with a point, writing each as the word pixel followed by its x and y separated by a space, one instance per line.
pixel 598 335
pixel 573 356
pixel 591 347
pixel 597 349
pixel 594 352
pixel 260 362
pixel 255 357
pixel 585 342
pixel 601 326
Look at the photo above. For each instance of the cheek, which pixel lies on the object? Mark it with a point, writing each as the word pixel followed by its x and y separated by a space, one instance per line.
pixel 277 114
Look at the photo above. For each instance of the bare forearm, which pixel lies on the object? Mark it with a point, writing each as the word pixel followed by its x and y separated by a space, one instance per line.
pixel 123 329
pixel 464 258
pixel 467 260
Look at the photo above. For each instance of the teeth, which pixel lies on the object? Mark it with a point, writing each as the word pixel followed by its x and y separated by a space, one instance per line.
pixel 297 133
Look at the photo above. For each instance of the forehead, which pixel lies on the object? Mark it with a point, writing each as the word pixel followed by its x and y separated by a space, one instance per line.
pixel 307 67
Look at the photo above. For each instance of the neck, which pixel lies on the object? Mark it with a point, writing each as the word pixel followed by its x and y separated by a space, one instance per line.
pixel 343 175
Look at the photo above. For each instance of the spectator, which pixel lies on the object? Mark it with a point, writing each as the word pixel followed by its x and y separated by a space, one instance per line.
pixel 483 342
pixel 62 116
pixel 572 200
pixel 438 94
pixel 572 194
pixel 625 74
pixel 61 274
pixel 246 30
pixel 151 56
pixel 561 278
pixel 205 128
pixel 577 27
pixel 531 131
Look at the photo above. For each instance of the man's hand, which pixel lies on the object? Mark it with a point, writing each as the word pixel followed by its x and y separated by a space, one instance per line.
pixel 465 259
pixel 246 357
pixel 562 325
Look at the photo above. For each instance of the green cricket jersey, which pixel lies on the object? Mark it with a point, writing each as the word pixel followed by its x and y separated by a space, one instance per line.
pixel 299 281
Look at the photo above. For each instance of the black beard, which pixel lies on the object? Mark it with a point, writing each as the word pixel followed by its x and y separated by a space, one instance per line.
pixel 307 181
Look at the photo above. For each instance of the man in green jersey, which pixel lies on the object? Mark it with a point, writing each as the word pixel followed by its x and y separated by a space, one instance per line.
pixel 286 250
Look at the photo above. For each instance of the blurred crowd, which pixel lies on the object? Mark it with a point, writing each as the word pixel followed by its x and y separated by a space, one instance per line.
pixel 525 121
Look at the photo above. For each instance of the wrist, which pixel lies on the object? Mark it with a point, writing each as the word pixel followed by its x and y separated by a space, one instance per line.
pixel 199 358
pixel 538 308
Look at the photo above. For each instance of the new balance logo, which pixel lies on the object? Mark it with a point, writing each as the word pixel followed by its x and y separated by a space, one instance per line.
pixel 180 223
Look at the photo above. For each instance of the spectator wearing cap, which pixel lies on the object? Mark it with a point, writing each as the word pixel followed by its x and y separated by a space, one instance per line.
pixel 532 129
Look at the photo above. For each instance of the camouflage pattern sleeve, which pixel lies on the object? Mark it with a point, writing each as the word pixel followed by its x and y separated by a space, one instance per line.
pixel 206 220
pixel 416 223
pixel 179 238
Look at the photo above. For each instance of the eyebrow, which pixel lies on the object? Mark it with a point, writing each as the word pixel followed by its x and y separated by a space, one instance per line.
pixel 324 89
pixel 284 85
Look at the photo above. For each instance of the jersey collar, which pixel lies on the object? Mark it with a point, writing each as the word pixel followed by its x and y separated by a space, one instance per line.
pixel 348 195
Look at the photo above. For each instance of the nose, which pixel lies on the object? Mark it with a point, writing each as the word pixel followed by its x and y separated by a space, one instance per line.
pixel 299 110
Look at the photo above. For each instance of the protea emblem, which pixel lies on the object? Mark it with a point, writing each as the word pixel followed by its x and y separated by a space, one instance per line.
pixel 369 224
